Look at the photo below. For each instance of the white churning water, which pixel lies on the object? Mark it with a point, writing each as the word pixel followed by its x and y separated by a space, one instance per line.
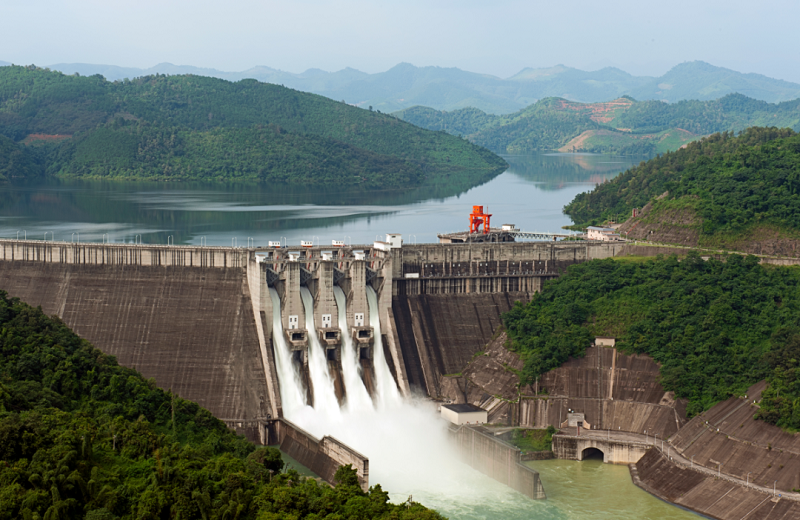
pixel 357 396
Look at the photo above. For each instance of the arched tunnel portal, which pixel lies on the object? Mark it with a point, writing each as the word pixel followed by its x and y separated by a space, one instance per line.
pixel 592 454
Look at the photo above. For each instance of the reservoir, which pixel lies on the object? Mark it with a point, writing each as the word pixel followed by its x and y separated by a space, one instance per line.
pixel 530 194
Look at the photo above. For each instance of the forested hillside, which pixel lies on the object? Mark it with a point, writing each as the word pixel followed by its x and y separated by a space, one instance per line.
pixel 726 190
pixel 715 327
pixel 194 127
pixel 83 438
pixel 621 126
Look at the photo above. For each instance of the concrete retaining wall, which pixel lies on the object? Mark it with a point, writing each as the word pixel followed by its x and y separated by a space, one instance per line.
pixel 537 455
pixel 498 460
pixel 707 495
pixel 322 456
pixel 614 452
pixel 728 434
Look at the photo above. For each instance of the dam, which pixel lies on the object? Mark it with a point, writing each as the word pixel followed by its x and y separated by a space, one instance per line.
pixel 262 335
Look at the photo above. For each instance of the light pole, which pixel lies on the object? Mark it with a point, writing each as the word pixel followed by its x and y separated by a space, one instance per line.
pixel 748 477
pixel 645 436
pixel 773 487
pixel 692 460
pixel 655 439
pixel 719 469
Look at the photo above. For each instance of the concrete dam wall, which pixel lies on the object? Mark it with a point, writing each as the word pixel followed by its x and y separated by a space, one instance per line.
pixel 198 320
pixel 190 327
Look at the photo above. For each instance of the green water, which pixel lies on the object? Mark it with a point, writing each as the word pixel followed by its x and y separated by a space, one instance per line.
pixel 575 490
pixel 591 489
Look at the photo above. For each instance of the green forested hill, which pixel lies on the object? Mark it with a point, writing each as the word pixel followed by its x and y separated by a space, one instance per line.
pixel 83 438
pixel 15 160
pixel 725 190
pixel 714 327
pixel 620 126
pixel 181 127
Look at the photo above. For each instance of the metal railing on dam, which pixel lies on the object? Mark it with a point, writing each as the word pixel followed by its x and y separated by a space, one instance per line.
pixel 122 254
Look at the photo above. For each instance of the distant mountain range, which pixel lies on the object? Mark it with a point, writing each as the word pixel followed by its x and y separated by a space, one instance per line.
pixel 405 85
pixel 622 126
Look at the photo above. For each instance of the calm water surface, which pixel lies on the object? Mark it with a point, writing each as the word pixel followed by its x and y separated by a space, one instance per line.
pixel 530 194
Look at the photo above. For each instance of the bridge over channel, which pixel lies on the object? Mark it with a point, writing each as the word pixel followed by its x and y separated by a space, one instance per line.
pixel 615 447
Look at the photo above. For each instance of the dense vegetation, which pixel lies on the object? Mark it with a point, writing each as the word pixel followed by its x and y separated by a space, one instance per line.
pixel 193 127
pixel 533 439
pixel 16 160
pixel 623 126
pixel 731 183
pixel 81 437
pixel 715 327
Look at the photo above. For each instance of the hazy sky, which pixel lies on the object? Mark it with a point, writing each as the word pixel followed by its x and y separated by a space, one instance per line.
pixel 497 37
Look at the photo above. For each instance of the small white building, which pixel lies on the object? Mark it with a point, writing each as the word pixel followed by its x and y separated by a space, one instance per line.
pixel 604 341
pixel 606 234
pixel 393 241
pixel 464 414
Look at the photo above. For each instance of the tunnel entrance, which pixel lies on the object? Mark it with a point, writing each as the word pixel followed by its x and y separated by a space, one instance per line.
pixel 592 454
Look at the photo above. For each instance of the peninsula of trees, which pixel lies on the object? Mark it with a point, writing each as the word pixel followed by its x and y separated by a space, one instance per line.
pixel 192 127
pixel 739 192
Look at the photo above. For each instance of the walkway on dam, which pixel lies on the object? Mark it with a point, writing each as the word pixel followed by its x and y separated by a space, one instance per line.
pixel 669 451
pixel 677 458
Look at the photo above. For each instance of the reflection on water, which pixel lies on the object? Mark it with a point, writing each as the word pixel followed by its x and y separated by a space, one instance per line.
pixel 530 194
pixel 555 171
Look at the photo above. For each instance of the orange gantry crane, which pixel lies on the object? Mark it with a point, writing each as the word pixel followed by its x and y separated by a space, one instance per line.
pixel 478 218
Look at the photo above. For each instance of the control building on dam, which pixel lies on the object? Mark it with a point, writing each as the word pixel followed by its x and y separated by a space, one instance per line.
pixel 199 320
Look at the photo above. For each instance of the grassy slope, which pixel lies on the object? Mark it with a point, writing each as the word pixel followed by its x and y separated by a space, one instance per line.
pixel 198 110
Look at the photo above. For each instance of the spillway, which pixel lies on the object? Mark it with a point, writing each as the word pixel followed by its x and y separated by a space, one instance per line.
pixel 357 396
pixel 293 395
pixel 325 400
pixel 386 392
